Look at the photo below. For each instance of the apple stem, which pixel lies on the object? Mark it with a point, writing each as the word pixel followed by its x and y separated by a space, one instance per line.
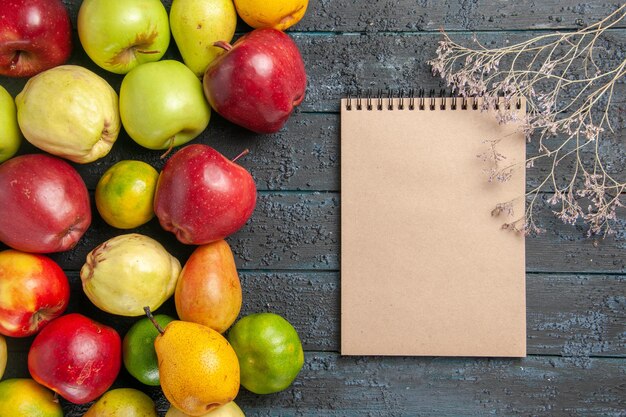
pixel 244 153
pixel 169 149
pixel 55 398
pixel 224 45
pixel 141 51
pixel 151 317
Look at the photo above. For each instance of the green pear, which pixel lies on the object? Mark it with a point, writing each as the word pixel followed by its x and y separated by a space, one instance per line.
pixel 162 105
pixel 10 136
pixel 123 402
pixel 196 25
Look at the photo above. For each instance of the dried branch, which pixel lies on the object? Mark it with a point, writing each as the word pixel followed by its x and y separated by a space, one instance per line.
pixel 569 96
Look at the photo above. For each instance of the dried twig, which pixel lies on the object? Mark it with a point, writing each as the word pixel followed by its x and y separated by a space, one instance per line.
pixel 569 96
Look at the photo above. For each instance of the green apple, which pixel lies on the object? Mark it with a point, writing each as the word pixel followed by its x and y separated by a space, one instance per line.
pixel 162 105
pixel 197 24
pixel 118 35
pixel 10 137
pixel 70 112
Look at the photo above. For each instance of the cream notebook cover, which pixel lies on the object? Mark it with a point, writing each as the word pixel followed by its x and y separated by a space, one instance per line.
pixel 425 268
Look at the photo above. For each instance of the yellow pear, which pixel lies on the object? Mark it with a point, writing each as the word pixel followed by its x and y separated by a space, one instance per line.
pixel 196 25
pixel 123 402
pixel 198 368
pixel 227 410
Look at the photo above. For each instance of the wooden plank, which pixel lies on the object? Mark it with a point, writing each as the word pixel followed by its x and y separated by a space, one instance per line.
pixel 424 15
pixel 336 386
pixel 331 385
pixel 336 64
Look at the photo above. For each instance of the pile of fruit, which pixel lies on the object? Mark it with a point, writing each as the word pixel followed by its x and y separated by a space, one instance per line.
pixel 200 358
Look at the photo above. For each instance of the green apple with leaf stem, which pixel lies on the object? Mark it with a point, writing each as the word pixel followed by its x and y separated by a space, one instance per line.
pixel 162 105
pixel 118 35
pixel 10 136
pixel 196 25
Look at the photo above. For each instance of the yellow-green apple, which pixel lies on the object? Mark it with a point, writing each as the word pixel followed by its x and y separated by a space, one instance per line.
pixel 162 105
pixel 70 112
pixel 44 206
pixel 34 291
pixel 119 35
pixel 76 357
pixel 258 81
pixel 34 35
pixel 10 136
pixel 208 290
pixel 196 25
pixel 202 197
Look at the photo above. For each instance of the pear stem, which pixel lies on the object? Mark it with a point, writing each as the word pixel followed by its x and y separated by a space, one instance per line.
pixel 154 322
pixel 167 152
pixel 244 153
pixel 224 45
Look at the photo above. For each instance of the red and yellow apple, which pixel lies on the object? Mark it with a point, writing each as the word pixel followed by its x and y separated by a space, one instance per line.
pixel 33 291
pixel 76 357
pixel 208 290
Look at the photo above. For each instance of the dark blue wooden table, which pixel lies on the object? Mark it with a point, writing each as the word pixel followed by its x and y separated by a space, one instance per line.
pixel 288 253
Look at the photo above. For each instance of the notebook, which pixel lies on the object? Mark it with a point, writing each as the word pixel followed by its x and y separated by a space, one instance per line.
pixel 426 269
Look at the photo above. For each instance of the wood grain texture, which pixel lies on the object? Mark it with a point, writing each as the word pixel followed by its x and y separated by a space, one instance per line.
pixel 429 15
pixel 400 61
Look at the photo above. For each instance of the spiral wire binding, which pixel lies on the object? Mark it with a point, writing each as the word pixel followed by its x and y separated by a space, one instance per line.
pixel 412 98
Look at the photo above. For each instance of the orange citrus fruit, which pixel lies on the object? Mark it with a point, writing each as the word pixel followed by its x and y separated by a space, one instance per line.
pixel 125 193
pixel 277 14
pixel 269 351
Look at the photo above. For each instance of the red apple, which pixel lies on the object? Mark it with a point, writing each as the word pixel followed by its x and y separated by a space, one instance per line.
pixel 35 35
pixel 258 81
pixel 44 206
pixel 208 290
pixel 202 197
pixel 76 357
pixel 34 291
